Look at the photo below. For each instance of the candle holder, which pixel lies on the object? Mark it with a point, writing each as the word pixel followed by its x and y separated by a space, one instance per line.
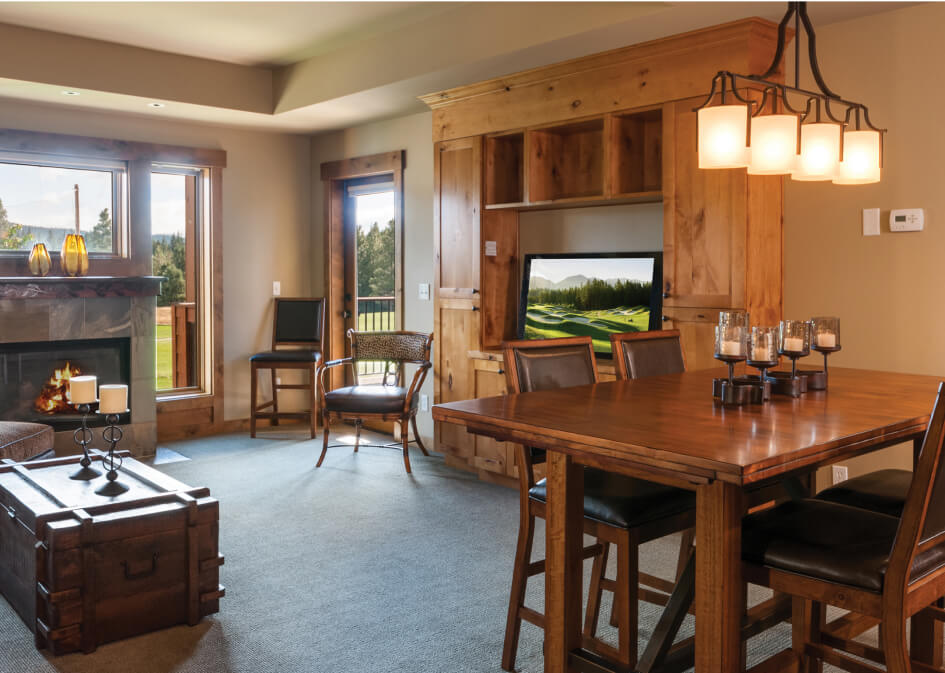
pixel 762 355
pixel 731 346
pixel 825 338
pixel 83 437
pixel 794 343
pixel 112 434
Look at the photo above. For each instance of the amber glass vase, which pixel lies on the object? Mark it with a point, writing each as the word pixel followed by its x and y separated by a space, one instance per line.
pixel 75 257
pixel 39 261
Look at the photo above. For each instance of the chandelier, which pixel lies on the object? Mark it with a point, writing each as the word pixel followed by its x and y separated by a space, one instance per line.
pixel 809 135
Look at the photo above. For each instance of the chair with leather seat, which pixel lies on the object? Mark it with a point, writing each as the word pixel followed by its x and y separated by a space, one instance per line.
pixel 653 353
pixel 386 401
pixel 618 510
pixel 885 567
pixel 880 491
pixel 298 330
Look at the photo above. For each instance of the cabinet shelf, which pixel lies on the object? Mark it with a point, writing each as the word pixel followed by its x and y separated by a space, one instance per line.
pixel 582 201
pixel 636 161
pixel 504 159
pixel 566 161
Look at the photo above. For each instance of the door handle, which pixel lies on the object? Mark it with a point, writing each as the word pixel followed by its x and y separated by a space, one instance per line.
pixel 141 574
pixel 666 318
pixel 346 314
pixel 450 381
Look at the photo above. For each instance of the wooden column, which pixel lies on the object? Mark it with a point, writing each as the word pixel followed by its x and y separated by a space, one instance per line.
pixel 564 575
pixel 720 601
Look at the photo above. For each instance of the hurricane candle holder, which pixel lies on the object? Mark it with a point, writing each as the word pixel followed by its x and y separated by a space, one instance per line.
pixel 112 462
pixel 794 343
pixel 83 437
pixel 825 339
pixel 731 346
pixel 762 355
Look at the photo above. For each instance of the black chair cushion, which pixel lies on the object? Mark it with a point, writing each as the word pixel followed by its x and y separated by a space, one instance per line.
pixel 287 356
pixel 829 541
pixel 370 399
pixel 882 491
pixel 622 501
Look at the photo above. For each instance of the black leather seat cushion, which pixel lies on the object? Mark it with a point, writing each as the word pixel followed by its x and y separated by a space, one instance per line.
pixel 623 501
pixel 881 491
pixel 371 399
pixel 829 541
pixel 287 356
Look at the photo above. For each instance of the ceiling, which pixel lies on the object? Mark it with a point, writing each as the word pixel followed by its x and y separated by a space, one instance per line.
pixel 308 67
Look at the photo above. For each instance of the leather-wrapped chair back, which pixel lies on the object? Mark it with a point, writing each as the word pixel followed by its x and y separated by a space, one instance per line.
pixel 299 322
pixel 532 365
pixel 641 354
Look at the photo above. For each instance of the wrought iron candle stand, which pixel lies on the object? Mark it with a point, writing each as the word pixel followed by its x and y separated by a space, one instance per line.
pixel 730 347
pixel 83 437
pixel 762 355
pixel 793 343
pixel 825 339
pixel 112 434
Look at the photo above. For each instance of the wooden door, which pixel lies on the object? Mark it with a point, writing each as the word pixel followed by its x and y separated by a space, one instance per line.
pixel 696 333
pixel 491 455
pixel 457 182
pixel 704 220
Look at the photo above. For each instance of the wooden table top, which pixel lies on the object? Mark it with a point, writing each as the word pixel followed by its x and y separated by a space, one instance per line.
pixel 672 423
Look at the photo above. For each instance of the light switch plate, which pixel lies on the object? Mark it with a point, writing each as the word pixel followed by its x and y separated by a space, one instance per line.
pixel 423 291
pixel 491 249
pixel 424 403
pixel 871 221
pixel 276 288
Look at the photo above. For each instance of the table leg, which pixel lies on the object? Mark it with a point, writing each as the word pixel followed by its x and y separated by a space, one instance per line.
pixel 720 602
pixel 564 531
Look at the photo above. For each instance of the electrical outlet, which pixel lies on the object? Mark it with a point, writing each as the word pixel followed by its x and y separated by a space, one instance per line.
pixel 276 288
pixel 278 381
pixel 424 403
pixel 840 473
pixel 424 291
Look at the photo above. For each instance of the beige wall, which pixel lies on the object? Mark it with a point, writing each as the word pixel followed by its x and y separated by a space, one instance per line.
pixel 266 217
pixel 414 134
pixel 887 289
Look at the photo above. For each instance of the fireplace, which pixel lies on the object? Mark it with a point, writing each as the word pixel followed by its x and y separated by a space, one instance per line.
pixel 34 378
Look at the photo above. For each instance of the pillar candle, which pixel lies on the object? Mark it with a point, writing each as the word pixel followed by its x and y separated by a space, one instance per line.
pixel 730 348
pixel 82 389
pixel 114 399
pixel 793 344
pixel 827 340
pixel 760 354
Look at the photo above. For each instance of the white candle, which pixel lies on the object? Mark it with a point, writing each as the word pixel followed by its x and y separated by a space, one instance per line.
pixel 82 389
pixel 793 344
pixel 759 354
pixel 730 348
pixel 827 340
pixel 114 399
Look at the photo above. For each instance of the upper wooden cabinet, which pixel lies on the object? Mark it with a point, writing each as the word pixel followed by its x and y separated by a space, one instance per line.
pixel 457 182
pixel 721 228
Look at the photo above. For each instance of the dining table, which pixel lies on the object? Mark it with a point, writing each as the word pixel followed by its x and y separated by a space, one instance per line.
pixel 669 429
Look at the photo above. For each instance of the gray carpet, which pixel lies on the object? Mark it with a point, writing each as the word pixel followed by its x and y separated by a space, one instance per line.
pixel 350 568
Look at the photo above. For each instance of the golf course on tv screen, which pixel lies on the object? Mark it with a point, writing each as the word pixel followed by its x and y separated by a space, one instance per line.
pixel 593 296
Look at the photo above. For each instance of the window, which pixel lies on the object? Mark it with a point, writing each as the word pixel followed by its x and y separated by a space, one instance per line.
pixel 178 221
pixel 38 197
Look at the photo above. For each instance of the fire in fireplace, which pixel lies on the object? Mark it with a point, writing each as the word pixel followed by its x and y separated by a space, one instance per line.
pixel 34 377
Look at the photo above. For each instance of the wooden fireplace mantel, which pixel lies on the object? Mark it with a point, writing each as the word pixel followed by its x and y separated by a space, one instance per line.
pixel 64 287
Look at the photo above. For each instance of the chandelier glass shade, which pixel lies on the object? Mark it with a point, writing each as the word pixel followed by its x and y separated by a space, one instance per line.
pixel 780 129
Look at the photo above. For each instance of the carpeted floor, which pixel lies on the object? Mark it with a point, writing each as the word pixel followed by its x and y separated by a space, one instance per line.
pixel 355 567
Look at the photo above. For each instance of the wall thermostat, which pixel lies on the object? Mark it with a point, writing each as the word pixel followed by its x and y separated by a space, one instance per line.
pixel 907 219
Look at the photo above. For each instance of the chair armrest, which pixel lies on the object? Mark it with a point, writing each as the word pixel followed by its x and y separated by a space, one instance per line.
pixel 334 363
pixel 320 374
pixel 418 379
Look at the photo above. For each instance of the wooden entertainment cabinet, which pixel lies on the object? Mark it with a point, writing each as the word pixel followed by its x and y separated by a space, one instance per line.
pixel 610 128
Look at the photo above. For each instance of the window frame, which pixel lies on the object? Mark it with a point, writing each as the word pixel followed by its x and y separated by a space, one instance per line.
pixel 119 206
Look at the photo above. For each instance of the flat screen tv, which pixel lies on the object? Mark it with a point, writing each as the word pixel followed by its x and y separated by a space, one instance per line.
pixel 595 294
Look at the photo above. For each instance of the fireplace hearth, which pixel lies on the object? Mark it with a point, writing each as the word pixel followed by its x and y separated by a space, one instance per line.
pixel 34 378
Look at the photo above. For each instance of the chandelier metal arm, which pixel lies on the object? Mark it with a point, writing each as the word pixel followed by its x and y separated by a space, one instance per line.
pixel 798 10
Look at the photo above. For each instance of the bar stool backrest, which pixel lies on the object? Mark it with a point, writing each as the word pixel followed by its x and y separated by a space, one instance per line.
pixel 298 322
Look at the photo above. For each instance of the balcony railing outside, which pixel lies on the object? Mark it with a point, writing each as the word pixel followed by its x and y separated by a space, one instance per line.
pixel 375 314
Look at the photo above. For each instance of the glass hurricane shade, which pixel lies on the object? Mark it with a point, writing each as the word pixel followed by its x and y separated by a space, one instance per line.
pixel 820 152
pixel 861 158
pixel 39 261
pixel 773 149
pixel 74 257
pixel 723 130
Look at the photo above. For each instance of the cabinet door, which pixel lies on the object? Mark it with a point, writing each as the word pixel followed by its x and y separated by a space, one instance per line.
pixel 491 455
pixel 696 333
pixel 454 375
pixel 457 178
pixel 704 220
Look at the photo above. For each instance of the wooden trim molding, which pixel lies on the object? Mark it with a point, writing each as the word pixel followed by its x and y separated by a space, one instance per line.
pixel 361 167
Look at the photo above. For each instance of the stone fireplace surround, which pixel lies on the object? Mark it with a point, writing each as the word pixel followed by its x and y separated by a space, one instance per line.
pixel 57 309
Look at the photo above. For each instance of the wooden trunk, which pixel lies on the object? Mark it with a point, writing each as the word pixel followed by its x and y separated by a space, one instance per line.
pixel 83 569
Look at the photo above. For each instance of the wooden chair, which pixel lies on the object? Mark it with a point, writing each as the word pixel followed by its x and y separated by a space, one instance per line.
pixel 618 510
pixel 884 567
pixel 298 329
pixel 384 401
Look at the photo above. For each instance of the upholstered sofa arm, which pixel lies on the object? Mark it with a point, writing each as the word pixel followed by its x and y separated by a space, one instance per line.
pixel 22 441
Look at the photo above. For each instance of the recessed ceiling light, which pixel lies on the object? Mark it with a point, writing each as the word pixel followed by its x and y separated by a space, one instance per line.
pixel 70 93
pixel 155 104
